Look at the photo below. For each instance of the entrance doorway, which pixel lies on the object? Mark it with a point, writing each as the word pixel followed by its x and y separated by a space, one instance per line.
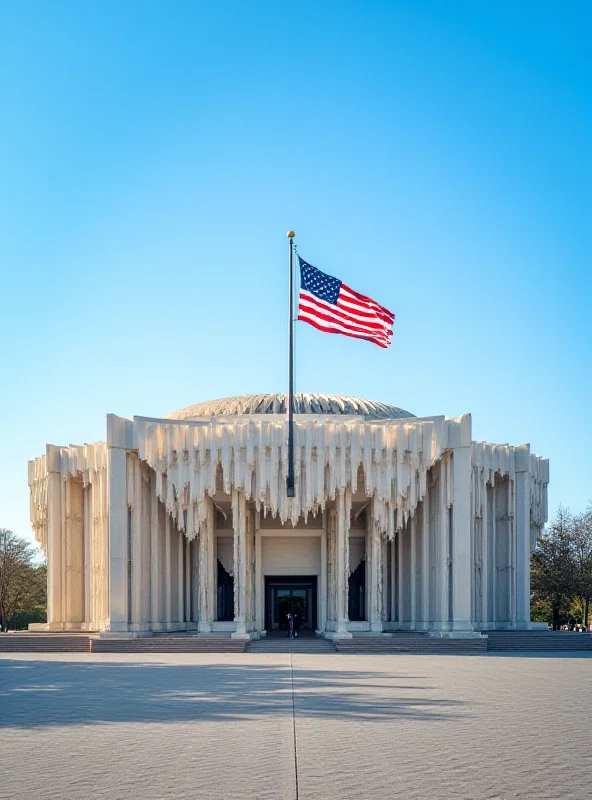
pixel 295 595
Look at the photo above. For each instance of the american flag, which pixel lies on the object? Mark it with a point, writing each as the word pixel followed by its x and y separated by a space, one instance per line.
pixel 331 306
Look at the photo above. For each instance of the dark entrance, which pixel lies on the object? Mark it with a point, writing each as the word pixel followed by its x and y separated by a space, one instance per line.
pixel 225 594
pixel 356 598
pixel 290 595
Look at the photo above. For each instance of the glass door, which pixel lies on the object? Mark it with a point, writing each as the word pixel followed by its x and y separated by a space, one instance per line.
pixel 291 600
pixel 281 608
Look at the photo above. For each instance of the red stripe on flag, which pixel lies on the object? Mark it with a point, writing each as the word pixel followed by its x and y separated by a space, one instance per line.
pixel 323 307
pixel 380 342
pixel 353 314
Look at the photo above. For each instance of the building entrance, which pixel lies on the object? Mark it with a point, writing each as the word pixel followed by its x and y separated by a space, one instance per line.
pixel 296 595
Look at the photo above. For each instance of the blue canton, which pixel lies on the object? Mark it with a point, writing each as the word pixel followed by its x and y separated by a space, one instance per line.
pixel 316 282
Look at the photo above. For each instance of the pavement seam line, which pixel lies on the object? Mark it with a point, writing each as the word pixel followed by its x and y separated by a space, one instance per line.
pixel 294 729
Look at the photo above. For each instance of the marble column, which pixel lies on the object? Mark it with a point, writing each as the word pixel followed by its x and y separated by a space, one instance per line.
pixel 180 578
pixel 89 558
pixel 485 558
pixel 393 579
pixel 343 501
pixel 400 579
pixel 259 581
pixel 207 565
pixel 385 579
pixel 136 543
pixel 322 616
pixel 195 581
pixel 74 554
pixel 155 563
pixel 493 568
pixel 54 539
pixel 425 563
pixel 412 527
pixel 101 520
pixel 168 594
pixel 461 531
pixel 187 582
pixel 118 526
pixel 442 606
pixel 374 545
pixel 240 525
pixel 331 517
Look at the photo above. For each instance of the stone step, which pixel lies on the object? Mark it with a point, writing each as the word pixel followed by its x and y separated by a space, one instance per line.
pixel 540 641
pixel 419 644
pixel 170 644
pixel 44 643
pixel 304 645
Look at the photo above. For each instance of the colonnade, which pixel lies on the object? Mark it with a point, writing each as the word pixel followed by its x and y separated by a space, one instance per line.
pixel 131 550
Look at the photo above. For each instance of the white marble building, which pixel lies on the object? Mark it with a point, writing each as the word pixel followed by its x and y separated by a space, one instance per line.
pixel 183 523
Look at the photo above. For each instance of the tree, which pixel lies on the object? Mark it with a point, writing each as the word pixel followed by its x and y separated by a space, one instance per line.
pixel 22 583
pixel 582 554
pixel 554 566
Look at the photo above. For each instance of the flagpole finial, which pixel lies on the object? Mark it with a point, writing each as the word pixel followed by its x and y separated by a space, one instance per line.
pixel 290 234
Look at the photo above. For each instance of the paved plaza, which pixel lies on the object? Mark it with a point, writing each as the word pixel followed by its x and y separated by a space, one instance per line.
pixel 289 726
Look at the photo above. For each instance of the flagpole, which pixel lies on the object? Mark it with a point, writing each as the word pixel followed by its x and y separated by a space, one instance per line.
pixel 290 478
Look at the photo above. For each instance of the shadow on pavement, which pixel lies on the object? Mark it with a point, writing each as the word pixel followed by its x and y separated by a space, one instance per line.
pixel 48 693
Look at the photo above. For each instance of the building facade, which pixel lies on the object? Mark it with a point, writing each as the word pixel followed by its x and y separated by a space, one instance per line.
pixel 183 523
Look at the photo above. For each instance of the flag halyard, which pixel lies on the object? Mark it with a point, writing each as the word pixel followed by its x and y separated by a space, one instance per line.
pixel 329 305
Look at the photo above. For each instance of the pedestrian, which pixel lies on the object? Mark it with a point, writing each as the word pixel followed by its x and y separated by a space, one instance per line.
pixel 290 626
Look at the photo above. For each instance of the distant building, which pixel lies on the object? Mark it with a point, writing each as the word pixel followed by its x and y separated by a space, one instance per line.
pixel 183 523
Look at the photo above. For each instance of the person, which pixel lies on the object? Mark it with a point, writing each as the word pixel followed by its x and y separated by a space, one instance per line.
pixel 290 626
pixel 296 624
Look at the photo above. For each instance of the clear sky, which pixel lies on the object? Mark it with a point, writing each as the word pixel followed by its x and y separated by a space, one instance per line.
pixel 434 155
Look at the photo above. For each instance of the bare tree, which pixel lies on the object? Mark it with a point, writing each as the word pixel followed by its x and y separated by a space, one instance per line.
pixel 582 554
pixel 19 581
pixel 553 565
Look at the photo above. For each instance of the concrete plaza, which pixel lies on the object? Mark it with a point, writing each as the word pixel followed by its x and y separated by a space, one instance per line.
pixel 295 726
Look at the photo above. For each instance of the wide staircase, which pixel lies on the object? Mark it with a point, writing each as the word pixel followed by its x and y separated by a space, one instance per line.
pixel 171 643
pixel 303 644
pixel 23 642
pixel 410 642
pixel 538 641
pixel 83 643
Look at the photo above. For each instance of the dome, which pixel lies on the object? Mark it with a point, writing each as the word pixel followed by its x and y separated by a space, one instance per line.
pixel 303 404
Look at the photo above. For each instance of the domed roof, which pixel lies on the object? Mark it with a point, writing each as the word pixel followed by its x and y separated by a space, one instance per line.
pixel 277 404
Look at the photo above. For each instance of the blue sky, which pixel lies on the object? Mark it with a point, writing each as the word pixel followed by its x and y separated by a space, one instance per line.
pixel 434 155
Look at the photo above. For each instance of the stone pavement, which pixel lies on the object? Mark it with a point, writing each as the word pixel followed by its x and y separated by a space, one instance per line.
pixel 286 726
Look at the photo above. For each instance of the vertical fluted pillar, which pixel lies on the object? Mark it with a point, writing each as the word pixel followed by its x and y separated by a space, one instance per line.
pixel 195 580
pixel 54 539
pixel 89 558
pixel 343 501
pixel 180 578
pixel 136 544
pixel 187 582
pixel 413 572
pixel 322 621
pixel 374 540
pixel 425 562
pixel 259 584
pixel 239 522
pixel 168 599
pixel 331 567
pixel 485 557
pixel 400 579
pixel 155 565
pixel 206 567
pixel 118 524
pixel 442 606
pixel 393 578
pixel 461 530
